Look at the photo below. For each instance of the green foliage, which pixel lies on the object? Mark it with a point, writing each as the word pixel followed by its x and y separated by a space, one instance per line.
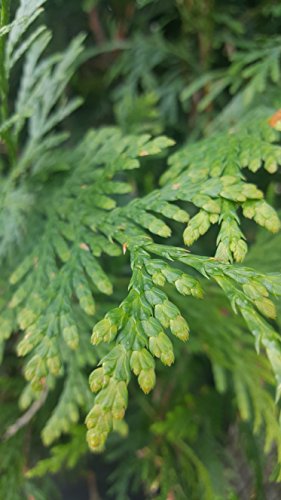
pixel 66 454
pixel 73 210
pixel 251 71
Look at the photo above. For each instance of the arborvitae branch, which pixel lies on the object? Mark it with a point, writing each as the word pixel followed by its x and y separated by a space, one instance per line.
pixel 63 210
pixel 4 86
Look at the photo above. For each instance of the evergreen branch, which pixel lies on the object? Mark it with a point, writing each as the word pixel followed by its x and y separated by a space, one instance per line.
pixel 64 211
pixel 4 88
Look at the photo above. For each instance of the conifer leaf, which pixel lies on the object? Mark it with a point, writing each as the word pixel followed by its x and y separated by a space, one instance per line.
pixel 70 218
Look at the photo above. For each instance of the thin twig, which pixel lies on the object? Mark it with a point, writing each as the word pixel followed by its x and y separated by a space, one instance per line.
pixel 96 27
pixel 92 485
pixel 26 417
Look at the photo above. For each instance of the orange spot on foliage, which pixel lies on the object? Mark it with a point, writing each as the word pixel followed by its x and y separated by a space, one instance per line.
pixel 125 246
pixel 274 119
pixel 84 246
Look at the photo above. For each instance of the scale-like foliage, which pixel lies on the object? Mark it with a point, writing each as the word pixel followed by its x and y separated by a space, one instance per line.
pixel 69 213
pixel 252 70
